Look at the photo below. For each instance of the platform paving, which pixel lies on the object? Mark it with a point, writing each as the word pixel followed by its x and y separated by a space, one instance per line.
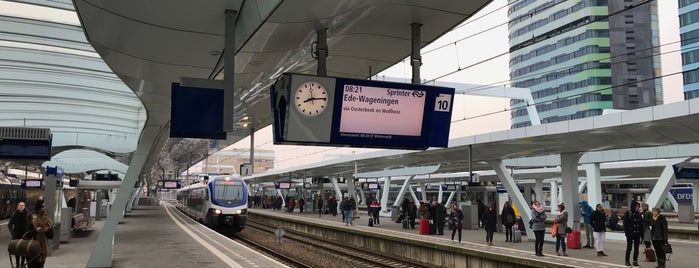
pixel 684 250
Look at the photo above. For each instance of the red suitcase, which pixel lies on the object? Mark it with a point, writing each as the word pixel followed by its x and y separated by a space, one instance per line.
pixel 425 226
pixel 573 239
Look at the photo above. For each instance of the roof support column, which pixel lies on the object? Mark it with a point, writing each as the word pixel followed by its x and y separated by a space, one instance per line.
pixel 509 182
pixel 415 58
pixel 451 196
pixel 229 70
pixel 695 196
pixel 384 196
pixel 101 255
pixel 416 201
pixel 539 190
pixel 569 177
pixel 338 193
pixel 662 187
pixel 581 187
pixel 554 195
pixel 423 186
pixel 401 192
pixel 594 184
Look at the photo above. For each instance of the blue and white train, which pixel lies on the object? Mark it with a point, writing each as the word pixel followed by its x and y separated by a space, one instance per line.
pixel 218 201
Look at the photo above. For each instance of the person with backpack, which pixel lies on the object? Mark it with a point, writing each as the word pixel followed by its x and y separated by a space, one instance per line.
pixel 658 229
pixel 20 223
pixel 346 208
pixel 507 217
pixel 375 208
pixel 586 211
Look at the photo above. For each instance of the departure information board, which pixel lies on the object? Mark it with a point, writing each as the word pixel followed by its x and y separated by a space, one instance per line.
pixel 360 113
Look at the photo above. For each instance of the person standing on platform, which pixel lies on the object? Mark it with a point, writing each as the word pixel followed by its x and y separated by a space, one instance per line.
pixel 481 209
pixel 404 207
pixel 508 219
pixel 633 229
pixel 586 211
pixel 598 220
pixel 658 229
pixel 292 204
pixel 353 205
pixel 43 231
pixel 374 209
pixel 561 223
pixel 278 203
pixel 302 202
pixel 320 205
pixel 332 203
pixel 346 207
pixel 539 227
pixel 20 222
pixel 412 213
pixel 440 213
pixel 490 222
pixel 39 204
pixel 456 218
pixel 647 216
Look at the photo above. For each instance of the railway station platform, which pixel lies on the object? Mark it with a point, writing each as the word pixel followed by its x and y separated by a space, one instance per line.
pixel 474 242
pixel 152 236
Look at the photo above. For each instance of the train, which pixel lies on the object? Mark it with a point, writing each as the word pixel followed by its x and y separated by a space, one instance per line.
pixel 219 202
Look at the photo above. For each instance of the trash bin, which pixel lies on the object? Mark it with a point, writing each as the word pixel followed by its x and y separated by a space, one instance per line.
pixel 685 213
pixel 394 214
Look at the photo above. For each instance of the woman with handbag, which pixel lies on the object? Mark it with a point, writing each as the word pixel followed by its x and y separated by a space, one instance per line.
pixel 43 231
pixel 658 230
pixel 538 225
pixel 508 219
pixel 561 223
pixel 456 218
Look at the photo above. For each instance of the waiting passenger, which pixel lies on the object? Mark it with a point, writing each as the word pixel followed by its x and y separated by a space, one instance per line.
pixel 302 202
pixel 346 207
pixel 20 222
pixel 440 213
pixel 490 222
pixel 598 220
pixel 633 229
pixel 319 201
pixel 647 216
pixel 508 219
pixel 43 230
pixel 374 210
pixel 539 227
pixel 614 221
pixel 561 223
pixel 659 236
pixel 456 219
pixel 586 211
pixel 412 213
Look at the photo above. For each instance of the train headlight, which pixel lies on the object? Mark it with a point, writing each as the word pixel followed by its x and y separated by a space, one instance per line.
pixel 217 211
pixel 242 211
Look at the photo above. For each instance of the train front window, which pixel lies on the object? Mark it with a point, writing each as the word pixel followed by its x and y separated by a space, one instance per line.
pixel 229 191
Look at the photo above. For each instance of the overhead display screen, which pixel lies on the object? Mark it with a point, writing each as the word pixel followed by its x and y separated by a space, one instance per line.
pixel 360 113
pixel 381 110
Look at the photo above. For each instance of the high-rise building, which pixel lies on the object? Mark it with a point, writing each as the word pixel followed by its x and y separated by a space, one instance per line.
pixel 689 36
pixel 582 57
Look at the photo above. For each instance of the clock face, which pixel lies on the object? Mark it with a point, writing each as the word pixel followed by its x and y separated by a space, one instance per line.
pixel 311 98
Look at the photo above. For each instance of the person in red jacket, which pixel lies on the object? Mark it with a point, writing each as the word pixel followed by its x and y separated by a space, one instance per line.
pixel 301 203
pixel 374 210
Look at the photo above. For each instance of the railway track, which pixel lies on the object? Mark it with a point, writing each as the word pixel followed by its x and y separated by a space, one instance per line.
pixel 285 259
pixel 358 255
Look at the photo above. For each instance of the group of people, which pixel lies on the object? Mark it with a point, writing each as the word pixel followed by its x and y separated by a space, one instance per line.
pixel 40 228
pixel 639 224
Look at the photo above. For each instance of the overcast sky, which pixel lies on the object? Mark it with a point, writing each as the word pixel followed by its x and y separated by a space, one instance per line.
pixel 462 48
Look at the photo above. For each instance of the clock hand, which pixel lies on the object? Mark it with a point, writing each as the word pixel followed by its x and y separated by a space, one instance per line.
pixel 312 99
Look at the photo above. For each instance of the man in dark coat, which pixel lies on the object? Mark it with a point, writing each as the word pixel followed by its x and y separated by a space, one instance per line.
pixel 20 222
pixel 439 214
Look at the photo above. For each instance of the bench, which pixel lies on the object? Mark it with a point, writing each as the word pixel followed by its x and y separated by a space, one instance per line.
pixel 80 222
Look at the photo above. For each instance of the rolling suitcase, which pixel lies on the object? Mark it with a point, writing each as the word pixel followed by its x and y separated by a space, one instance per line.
pixel 371 222
pixel 516 235
pixel 433 228
pixel 405 223
pixel 650 254
pixel 573 239
pixel 424 226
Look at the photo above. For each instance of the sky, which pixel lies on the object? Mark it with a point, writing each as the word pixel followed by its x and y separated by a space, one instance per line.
pixel 472 47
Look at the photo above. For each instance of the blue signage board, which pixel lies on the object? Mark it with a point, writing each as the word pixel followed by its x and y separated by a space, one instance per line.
pixel 196 113
pixel 328 111
pixel 54 171
pixel 682 195
pixel 685 172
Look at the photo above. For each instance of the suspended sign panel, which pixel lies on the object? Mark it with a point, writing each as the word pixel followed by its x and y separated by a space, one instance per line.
pixel 360 113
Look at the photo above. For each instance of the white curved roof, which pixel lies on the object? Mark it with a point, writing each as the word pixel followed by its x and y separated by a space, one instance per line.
pixel 52 78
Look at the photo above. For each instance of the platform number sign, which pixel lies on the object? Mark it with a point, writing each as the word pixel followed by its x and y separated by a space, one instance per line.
pixel 443 103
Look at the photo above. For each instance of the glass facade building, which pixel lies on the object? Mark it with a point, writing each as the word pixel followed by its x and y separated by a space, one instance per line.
pixel 689 36
pixel 582 57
